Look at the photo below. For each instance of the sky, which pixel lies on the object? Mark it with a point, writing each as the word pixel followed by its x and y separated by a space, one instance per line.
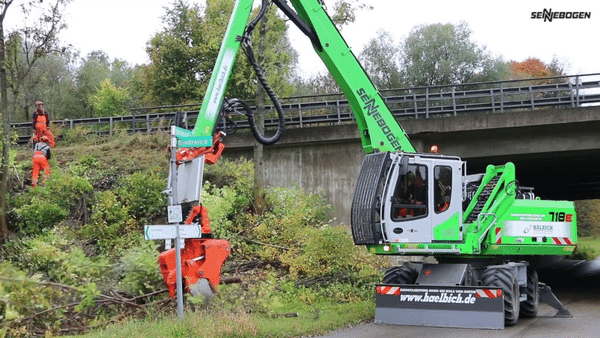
pixel 121 28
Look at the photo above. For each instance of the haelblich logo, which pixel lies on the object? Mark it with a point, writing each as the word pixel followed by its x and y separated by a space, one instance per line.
pixel 549 15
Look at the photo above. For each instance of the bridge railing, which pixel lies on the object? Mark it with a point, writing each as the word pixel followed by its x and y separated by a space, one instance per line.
pixel 416 102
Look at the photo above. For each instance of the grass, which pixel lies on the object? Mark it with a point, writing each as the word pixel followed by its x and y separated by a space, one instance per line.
pixel 588 248
pixel 311 320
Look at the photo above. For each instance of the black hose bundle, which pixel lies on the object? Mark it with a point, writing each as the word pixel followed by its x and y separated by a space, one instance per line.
pixel 247 48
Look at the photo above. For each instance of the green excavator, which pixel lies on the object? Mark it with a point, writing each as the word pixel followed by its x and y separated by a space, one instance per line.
pixel 479 232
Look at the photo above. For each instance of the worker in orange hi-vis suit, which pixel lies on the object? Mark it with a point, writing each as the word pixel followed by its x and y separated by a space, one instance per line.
pixel 40 122
pixel 41 155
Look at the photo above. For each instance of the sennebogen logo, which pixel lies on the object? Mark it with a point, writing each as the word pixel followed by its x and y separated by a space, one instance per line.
pixel 549 15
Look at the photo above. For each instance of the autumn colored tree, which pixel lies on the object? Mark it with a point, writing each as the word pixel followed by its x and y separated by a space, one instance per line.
pixel 529 68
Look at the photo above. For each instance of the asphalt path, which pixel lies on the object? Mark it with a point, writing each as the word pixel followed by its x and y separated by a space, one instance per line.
pixel 575 283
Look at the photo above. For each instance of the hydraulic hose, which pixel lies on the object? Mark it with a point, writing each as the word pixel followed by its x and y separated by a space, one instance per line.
pixel 247 48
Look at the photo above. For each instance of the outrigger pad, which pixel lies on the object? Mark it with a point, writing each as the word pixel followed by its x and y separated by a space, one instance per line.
pixel 475 307
pixel 548 297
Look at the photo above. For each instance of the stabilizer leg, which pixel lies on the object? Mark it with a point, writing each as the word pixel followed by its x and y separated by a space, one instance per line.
pixel 548 297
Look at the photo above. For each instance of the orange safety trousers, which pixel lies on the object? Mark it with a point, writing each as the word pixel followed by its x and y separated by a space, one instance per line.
pixel 39 162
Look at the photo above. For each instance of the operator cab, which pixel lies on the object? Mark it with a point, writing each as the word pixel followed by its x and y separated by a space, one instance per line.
pixel 418 199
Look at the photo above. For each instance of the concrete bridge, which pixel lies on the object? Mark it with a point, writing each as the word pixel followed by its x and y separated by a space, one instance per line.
pixel 539 124
pixel 556 151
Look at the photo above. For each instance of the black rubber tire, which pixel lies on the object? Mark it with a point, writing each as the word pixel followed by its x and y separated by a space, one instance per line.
pixel 530 306
pixel 400 275
pixel 504 278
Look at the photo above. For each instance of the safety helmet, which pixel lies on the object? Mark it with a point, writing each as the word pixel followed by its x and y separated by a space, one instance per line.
pixel 39 103
pixel 44 139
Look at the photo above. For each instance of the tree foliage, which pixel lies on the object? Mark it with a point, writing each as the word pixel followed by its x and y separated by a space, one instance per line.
pixel 441 54
pixel 29 44
pixel 381 60
pixel 91 77
pixel 111 100
pixel 531 67
pixel 178 56
pixel 344 11
pixel 535 68
pixel 183 54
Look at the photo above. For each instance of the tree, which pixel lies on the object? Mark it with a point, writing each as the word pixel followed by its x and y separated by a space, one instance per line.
pixel 441 54
pixel 52 80
pixel 176 62
pixel 381 60
pixel 37 38
pixel 318 84
pixel 110 100
pixel 535 68
pixel 530 68
pixel 344 11
pixel 96 68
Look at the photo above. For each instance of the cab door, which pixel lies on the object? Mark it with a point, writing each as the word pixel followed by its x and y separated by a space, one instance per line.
pixel 407 213
pixel 446 200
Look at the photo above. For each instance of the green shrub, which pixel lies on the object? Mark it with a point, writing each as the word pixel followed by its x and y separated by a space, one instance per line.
pixel 45 206
pixel 34 254
pixel 110 226
pixel 23 295
pixel 329 251
pixel 220 205
pixel 142 194
pixel 290 216
pixel 298 206
pixel 238 175
pixel 258 297
pixel 588 217
pixel 138 270
pixel 76 268
pixel 588 248
pixel 85 166
pixel 38 215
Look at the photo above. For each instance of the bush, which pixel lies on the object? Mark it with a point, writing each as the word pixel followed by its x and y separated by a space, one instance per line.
pixel 110 226
pixel 588 217
pixel 23 295
pixel 85 166
pixel 43 207
pixel 41 253
pixel 291 214
pixel 290 238
pixel 227 191
pixel 142 194
pixel 138 270
pixel 38 215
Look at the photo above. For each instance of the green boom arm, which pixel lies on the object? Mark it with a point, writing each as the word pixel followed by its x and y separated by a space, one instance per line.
pixel 378 127
pixel 213 98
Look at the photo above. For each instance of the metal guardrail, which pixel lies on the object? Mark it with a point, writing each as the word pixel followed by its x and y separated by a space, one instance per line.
pixel 417 102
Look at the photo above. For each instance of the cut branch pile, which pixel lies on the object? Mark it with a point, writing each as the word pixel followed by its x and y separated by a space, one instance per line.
pixel 76 315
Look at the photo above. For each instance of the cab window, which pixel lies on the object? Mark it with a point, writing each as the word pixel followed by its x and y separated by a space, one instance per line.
pixel 410 194
pixel 442 188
